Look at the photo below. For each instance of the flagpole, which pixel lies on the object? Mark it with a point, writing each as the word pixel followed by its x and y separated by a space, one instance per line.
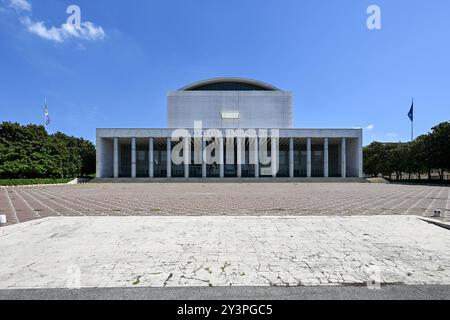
pixel 45 116
pixel 412 122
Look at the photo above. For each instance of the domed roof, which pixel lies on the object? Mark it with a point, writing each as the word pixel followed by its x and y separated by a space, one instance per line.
pixel 230 84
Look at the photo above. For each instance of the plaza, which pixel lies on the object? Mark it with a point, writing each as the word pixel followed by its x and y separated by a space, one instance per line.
pixel 244 235
pixel 21 204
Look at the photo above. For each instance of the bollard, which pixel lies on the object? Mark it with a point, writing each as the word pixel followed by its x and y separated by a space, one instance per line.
pixel 2 219
pixel 428 214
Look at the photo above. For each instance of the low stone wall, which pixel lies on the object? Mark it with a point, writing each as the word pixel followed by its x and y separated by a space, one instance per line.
pixel 228 180
pixel 79 180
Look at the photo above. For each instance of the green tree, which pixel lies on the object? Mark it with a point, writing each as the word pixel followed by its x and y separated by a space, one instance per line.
pixel 371 157
pixel 87 153
pixel 420 160
pixel 398 158
pixel 377 160
pixel 29 152
pixel 426 153
pixel 439 145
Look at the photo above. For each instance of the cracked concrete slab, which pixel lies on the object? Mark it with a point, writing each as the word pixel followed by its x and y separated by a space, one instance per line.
pixel 93 252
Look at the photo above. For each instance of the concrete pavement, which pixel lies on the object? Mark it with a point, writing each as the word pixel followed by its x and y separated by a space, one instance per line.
pixel 392 292
pixel 109 252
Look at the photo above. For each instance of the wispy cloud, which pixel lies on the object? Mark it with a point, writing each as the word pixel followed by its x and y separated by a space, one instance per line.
pixel 87 31
pixel 392 135
pixel 20 5
pixel 370 127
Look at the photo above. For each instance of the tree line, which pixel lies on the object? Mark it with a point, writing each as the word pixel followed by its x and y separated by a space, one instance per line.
pixel 29 152
pixel 426 154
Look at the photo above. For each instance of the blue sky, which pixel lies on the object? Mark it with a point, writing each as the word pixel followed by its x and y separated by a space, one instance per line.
pixel 116 70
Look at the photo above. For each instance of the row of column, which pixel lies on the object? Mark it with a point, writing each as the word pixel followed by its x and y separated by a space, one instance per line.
pixel 343 158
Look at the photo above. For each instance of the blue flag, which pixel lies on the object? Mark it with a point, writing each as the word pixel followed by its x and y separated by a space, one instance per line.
pixel 411 112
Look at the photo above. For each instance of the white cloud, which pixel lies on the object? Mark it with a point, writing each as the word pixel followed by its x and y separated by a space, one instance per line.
pixel 370 127
pixel 392 135
pixel 87 31
pixel 20 5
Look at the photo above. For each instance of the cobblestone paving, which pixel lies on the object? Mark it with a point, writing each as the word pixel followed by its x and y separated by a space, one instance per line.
pixel 22 204
pixel 222 251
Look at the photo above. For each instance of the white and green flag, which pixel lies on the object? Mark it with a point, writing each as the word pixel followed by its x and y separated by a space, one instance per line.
pixel 46 116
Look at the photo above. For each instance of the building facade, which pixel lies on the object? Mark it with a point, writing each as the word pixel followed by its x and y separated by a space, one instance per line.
pixel 224 104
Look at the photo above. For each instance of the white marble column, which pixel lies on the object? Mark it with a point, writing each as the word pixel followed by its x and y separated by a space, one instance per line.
pixel 151 162
pixel 221 157
pixel 133 157
pixel 360 158
pixel 343 158
pixel 239 156
pixel 99 157
pixel 187 156
pixel 169 157
pixel 291 157
pixel 274 156
pixel 116 158
pixel 256 146
pixel 308 157
pixel 325 158
pixel 204 174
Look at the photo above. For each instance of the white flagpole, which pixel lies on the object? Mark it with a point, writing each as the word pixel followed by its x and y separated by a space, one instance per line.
pixel 45 112
pixel 46 118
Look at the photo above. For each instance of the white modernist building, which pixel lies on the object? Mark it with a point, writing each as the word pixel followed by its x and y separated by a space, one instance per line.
pixel 223 104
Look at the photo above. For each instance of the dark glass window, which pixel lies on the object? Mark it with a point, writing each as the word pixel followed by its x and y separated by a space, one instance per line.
pixel 229 86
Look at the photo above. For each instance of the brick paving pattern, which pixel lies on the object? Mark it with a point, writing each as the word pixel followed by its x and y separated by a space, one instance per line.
pixel 21 204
